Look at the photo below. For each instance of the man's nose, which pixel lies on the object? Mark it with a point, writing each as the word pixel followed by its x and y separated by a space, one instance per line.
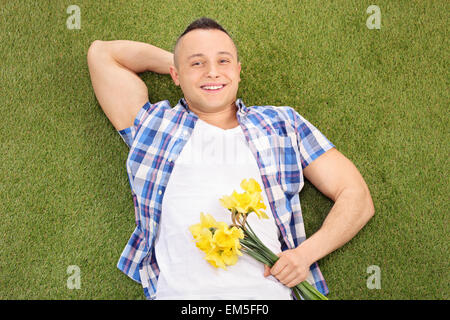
pixel 212 71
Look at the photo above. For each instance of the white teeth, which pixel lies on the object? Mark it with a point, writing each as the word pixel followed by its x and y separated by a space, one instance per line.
pixel 212 87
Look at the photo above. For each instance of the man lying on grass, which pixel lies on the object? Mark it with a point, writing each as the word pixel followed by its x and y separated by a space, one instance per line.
pixel 182 159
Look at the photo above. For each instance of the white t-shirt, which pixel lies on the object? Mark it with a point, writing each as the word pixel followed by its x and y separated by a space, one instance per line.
pixel 212 164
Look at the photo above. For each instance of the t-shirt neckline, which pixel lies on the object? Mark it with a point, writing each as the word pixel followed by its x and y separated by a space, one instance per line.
pixel 218 128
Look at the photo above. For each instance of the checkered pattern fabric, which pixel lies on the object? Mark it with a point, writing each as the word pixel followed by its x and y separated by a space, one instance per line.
pixel 282 141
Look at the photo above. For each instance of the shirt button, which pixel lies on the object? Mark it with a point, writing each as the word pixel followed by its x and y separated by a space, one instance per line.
pixel 186 132
pixel 160 192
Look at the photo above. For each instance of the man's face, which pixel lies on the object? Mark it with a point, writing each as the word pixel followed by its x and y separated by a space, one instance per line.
pixel 208 71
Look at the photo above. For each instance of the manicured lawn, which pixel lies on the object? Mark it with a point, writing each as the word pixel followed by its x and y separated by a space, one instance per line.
pixel 379 95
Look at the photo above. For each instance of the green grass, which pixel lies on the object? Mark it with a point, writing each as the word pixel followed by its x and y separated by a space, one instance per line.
pixel 378 95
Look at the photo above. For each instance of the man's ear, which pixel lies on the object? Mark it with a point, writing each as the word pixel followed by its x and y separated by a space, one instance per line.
pixel 174 74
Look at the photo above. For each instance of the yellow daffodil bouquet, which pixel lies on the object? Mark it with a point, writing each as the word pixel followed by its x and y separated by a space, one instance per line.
pixel 223 243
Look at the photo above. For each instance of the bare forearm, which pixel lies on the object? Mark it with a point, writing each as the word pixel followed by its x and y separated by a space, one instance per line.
pixel 138 56
pixel 351 211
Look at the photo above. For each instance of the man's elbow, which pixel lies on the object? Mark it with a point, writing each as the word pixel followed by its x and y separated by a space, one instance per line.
pixel 366 200
pixel 94 48
pixel 369 207
pixel 363 200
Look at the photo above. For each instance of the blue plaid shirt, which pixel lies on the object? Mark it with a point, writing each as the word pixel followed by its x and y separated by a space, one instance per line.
pixel 282 141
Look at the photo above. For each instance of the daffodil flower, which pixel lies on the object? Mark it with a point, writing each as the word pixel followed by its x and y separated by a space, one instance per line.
pixel 250 185
pixel 223 244
pixel 219 241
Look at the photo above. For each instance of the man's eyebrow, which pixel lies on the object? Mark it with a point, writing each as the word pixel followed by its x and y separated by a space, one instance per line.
pixel 225 52
pixel 196 55
pixel 202 55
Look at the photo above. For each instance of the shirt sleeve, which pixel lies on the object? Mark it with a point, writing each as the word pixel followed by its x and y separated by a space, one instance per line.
pixel 312 142
pixel 128 134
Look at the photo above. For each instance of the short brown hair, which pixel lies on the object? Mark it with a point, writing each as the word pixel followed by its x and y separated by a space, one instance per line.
pixel 205 24
pixel 201 23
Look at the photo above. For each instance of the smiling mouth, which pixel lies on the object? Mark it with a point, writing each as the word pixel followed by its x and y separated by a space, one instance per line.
pixel 213 88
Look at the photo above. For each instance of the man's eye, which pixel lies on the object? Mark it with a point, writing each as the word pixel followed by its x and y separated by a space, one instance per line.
pixel 196 63
pixel 224 61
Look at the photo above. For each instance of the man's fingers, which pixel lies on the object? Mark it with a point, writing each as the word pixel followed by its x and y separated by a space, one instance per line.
pixel 289 280
pixel 266 271
pixel 288 269
pixel 285 274
pixel 278 266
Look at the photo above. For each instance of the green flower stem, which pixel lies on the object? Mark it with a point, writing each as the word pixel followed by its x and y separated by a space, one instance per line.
pixel 256 256
pixel 268 254
pixel 255 251
pixel 317 295
pixel 255 248
pixel 254 237
pixel 304 292
pixel 297 293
